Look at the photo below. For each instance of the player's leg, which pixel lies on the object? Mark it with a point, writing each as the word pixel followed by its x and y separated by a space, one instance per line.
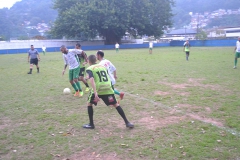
pixel 237 55
pixel 90 111
pixel 31 66
pixel 70 76
pixel 111 100
pixel 187 55
pixel 36 63
pixel 150 50
pixel 81 78
pixel 75 80
pixel 121 94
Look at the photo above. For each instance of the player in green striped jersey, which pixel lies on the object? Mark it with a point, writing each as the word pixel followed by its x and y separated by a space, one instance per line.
pixel 186 49
pixel 101 88
pixel 83 61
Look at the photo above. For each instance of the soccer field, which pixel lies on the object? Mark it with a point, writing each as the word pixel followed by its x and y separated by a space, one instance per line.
pixel 181 109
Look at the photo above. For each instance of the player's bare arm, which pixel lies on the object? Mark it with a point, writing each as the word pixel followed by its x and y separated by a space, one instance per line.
pixel 64 69
pixel 38 57
pixel 85 57
pixel 115 74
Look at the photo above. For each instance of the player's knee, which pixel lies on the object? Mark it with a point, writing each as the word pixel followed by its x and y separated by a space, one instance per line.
pixel 80 78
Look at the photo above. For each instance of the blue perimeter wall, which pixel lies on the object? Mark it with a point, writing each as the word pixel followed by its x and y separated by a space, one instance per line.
pixel 196 43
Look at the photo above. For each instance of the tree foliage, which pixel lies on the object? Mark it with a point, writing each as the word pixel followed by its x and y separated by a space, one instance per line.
pixel 35 11
pixel 111 18
pixel 201 35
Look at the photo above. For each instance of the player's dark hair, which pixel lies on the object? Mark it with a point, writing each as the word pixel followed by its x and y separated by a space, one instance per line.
pixel 78 44
pixel 101 53
pixel 92 59
pixel 63 46
pixel 31 45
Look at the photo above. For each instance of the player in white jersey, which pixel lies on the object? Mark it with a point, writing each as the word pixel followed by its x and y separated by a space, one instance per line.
pixel 150 47
pixel 237 52
pixel 70 58
pixel 44 49
pixel 111 71
pixel 117 47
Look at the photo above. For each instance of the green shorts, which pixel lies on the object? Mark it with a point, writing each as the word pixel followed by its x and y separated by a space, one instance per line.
pixel 237 55
pixel 150 48
pixel 74 73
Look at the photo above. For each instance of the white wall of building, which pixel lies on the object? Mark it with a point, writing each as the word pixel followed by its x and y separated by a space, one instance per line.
pixel 17 44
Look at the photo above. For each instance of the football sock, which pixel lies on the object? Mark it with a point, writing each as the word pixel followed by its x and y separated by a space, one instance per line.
pixel 86 84
pixel 235 62
pixel 30 70
pixel 75 87
pixel 90 114
pixel 116 92
pixel 78 86
pixel 121 112
pixel 38 69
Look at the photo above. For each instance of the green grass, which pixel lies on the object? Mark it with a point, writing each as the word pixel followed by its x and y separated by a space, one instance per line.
pixel 181 109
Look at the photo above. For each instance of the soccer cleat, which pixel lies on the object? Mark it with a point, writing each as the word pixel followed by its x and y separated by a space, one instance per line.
pixel 29 73
pixel 121 95
pixel 76 94
pixel 129 125
pixel 88 126
pixel 87 89
pixel 234 67
pixel 81 94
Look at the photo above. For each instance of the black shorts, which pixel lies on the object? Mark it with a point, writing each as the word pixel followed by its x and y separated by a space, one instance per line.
pixel 34 61
pixel 107 99
pixel 187 53
pixel 82 71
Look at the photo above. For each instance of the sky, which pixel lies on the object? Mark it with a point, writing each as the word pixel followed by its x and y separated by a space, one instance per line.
pixel 7 3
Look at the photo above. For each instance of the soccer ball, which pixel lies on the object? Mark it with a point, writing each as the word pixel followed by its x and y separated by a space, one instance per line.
pixel 66 91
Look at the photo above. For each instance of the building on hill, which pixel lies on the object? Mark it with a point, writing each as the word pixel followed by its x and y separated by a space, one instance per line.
pixel 232 32
pixel 229 33
pixel 180 34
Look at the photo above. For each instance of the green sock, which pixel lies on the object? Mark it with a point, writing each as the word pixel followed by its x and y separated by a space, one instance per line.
pixel 235 62
pixel 75 87
pixel 116 92
pixel 78 86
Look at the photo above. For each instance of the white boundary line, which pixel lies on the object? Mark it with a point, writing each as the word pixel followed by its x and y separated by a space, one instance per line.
pixel 229 130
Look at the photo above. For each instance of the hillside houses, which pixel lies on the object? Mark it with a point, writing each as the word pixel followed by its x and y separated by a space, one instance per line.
pixel 199 20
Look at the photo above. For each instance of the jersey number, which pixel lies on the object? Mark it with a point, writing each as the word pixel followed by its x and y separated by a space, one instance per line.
pixel 102 76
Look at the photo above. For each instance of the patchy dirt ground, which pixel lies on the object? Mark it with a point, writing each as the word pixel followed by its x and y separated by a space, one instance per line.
pixel 86 154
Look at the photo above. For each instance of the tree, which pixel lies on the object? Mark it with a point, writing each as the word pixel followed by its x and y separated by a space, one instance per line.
pixel 111 18
pixel 5 24
pixel 201 35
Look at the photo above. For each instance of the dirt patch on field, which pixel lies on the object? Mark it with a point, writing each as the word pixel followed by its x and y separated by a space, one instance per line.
pixel 206 120
pixel 167 93
pixel 192 83
pixel 161 93
pixel 189 108
pixel 89 154
pixel 4 123
pixel 153 123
